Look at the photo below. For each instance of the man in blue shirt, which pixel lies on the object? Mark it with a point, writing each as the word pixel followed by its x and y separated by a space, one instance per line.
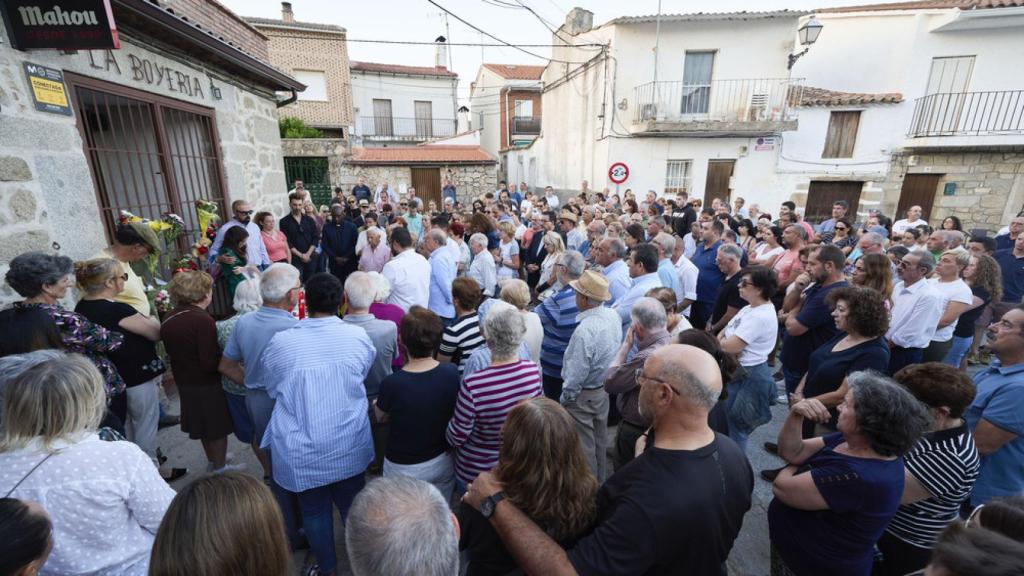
pixel 361 191
pixel 665 243
pixel 448 191
pixel 609 253
pixel 320 430
pixel 1011 263
pixel 443 270
pixel 839 208
pixel 558 319
pixel 709 277
pixel 643 269
pixel 996 416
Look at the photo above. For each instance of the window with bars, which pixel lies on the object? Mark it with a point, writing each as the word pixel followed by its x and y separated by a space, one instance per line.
pixel 842 134
pixel 677 176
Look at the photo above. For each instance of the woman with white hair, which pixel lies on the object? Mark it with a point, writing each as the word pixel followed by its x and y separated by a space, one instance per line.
pixel 105 499
pixel 517 293
pixel 247 299
pixel 487 396
pixel 381 310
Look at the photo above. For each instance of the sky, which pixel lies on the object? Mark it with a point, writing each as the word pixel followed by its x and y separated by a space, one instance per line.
pixel 418 20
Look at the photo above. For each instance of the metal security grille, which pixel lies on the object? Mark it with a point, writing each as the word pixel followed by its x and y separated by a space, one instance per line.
pixel 315 176
pixel 149 155
pixel 677 176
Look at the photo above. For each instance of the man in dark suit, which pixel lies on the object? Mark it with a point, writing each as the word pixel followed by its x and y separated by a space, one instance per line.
pixel 339 244
pixel 536 253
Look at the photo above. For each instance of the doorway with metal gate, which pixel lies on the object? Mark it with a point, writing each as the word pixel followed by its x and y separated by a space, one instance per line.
pixel 315 176
pixel 149 155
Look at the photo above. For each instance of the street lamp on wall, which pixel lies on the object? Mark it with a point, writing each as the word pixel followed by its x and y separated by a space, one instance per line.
pixel 808 34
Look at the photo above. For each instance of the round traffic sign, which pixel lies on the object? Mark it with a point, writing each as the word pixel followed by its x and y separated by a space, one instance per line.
pixel 618 172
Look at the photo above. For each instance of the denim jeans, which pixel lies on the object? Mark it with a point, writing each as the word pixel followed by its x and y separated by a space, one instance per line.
pixel 747 405
pixel 792 378
pixel 961 345
pixel 318 516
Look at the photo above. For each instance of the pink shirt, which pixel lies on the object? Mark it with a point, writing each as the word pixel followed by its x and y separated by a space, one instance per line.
pixel 277 246
pixel 787 265
pixel 373 259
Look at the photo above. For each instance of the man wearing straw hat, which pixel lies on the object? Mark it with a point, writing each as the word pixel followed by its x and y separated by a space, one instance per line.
pixel 133 241
pixel 591 350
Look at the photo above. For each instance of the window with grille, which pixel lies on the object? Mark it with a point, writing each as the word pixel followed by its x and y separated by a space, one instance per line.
pixel 842 134
pixel 677 176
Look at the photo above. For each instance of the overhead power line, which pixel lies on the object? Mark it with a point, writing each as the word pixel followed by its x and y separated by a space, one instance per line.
pixel 495 38
pixel 425 43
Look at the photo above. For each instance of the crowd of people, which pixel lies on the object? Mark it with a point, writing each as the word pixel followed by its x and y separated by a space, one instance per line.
pixel 475 355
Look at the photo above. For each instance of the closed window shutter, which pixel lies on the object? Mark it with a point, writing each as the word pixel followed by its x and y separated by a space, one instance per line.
pixel 842 134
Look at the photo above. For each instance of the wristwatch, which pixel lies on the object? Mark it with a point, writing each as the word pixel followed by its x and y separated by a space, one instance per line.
pixel 489 503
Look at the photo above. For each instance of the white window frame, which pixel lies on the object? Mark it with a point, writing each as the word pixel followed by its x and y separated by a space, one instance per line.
pixel 678 176
pixel 316 85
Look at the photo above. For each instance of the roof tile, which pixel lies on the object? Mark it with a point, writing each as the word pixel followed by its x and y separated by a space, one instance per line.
pixel 422 154
pixel 516 71
pixel 401 69
pixel 926 5
pixel 811 96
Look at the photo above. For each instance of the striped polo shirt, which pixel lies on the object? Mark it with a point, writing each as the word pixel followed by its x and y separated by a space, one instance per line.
pixel 461 338
pixel 946 463
pixel 485 399
pixel 558 319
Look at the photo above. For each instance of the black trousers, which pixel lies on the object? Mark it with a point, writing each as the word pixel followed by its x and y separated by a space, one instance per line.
pixel 306 269
pixel 900 357
pixel 901 558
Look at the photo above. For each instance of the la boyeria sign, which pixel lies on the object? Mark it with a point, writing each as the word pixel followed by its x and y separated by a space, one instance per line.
pixel 60 24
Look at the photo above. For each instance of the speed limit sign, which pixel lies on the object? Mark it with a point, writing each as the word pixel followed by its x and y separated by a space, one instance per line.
pixel 618 172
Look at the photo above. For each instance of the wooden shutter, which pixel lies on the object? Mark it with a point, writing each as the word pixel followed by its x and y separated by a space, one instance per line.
pixel 842 134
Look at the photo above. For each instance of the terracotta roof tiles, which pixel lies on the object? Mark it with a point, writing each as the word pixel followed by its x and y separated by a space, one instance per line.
pixel 811 96
pixel 429 154
pixel 927 5
pixel 516 71
pixel 401 69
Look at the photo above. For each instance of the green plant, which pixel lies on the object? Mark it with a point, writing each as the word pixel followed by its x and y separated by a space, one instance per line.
pixel 292 127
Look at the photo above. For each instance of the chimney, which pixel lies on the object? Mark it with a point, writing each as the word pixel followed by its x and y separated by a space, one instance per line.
pixel 441 52
pixel 286 12
pixel 579 21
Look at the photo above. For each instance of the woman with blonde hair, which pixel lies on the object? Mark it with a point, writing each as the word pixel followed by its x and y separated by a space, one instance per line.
pixel 956 299
pixel 101 280
pixel 874 271
pixel 105 499
pixel 508 252
pixel 224 524
pixel 545 474
pixel 517 293
pixel 985 278
pixel 190 336
pixel 554 246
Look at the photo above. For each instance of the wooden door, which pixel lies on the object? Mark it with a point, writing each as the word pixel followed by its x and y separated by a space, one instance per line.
pixel 918 190
pixel 717 183
pixel 427 182
pixel 821 195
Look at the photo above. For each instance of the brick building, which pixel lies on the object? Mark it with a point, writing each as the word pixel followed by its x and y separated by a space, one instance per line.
pixel 505 102
pixel 317 56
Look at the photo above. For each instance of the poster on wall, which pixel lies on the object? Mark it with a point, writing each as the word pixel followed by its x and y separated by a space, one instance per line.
pixel 60 24
pixel 49 92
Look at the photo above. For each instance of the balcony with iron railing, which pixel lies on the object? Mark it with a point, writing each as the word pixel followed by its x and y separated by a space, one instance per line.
pixel 526 125
pixel 743 107
pixel 390 128
pixel 968 118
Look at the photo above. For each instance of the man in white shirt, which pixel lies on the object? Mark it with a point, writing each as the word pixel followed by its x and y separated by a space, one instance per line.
pixel 609 254
pixel 255 251
pixel 408 273
pixel 916 309
pixel 551 197
pixel 912 220
pixel 482 269
pixel 687 278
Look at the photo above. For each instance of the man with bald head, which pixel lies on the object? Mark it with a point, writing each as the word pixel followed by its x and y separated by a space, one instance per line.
pixel 676 509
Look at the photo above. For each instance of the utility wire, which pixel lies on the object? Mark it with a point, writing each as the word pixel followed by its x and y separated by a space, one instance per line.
pixel 495 38
pixel 549 25
pixel 424 43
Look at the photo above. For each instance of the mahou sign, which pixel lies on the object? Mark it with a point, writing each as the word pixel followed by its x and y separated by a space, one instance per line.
pixel 60 24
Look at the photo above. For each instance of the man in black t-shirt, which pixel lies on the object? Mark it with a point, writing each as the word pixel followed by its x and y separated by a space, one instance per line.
pixel 675 509
pixel 728 301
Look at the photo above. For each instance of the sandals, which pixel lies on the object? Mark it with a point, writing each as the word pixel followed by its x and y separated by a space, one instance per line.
pixel 176 473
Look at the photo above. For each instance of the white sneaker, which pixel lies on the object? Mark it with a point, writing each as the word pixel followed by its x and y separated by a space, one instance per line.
pixel 228 468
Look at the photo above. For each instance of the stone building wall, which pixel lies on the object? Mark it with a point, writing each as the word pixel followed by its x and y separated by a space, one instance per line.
pixel 47 194
pixel 989 184
pixel 336 150
pixel 473 180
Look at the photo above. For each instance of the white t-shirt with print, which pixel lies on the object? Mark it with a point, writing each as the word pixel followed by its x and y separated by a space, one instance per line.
pixel 758 326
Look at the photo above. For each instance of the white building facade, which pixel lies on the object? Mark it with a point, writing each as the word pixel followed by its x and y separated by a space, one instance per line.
pixel 706 119
pixel 939 92
pixel 397 105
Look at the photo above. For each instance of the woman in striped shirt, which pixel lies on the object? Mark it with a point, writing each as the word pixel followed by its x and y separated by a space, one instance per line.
pixel 487 396
pixel 940 469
